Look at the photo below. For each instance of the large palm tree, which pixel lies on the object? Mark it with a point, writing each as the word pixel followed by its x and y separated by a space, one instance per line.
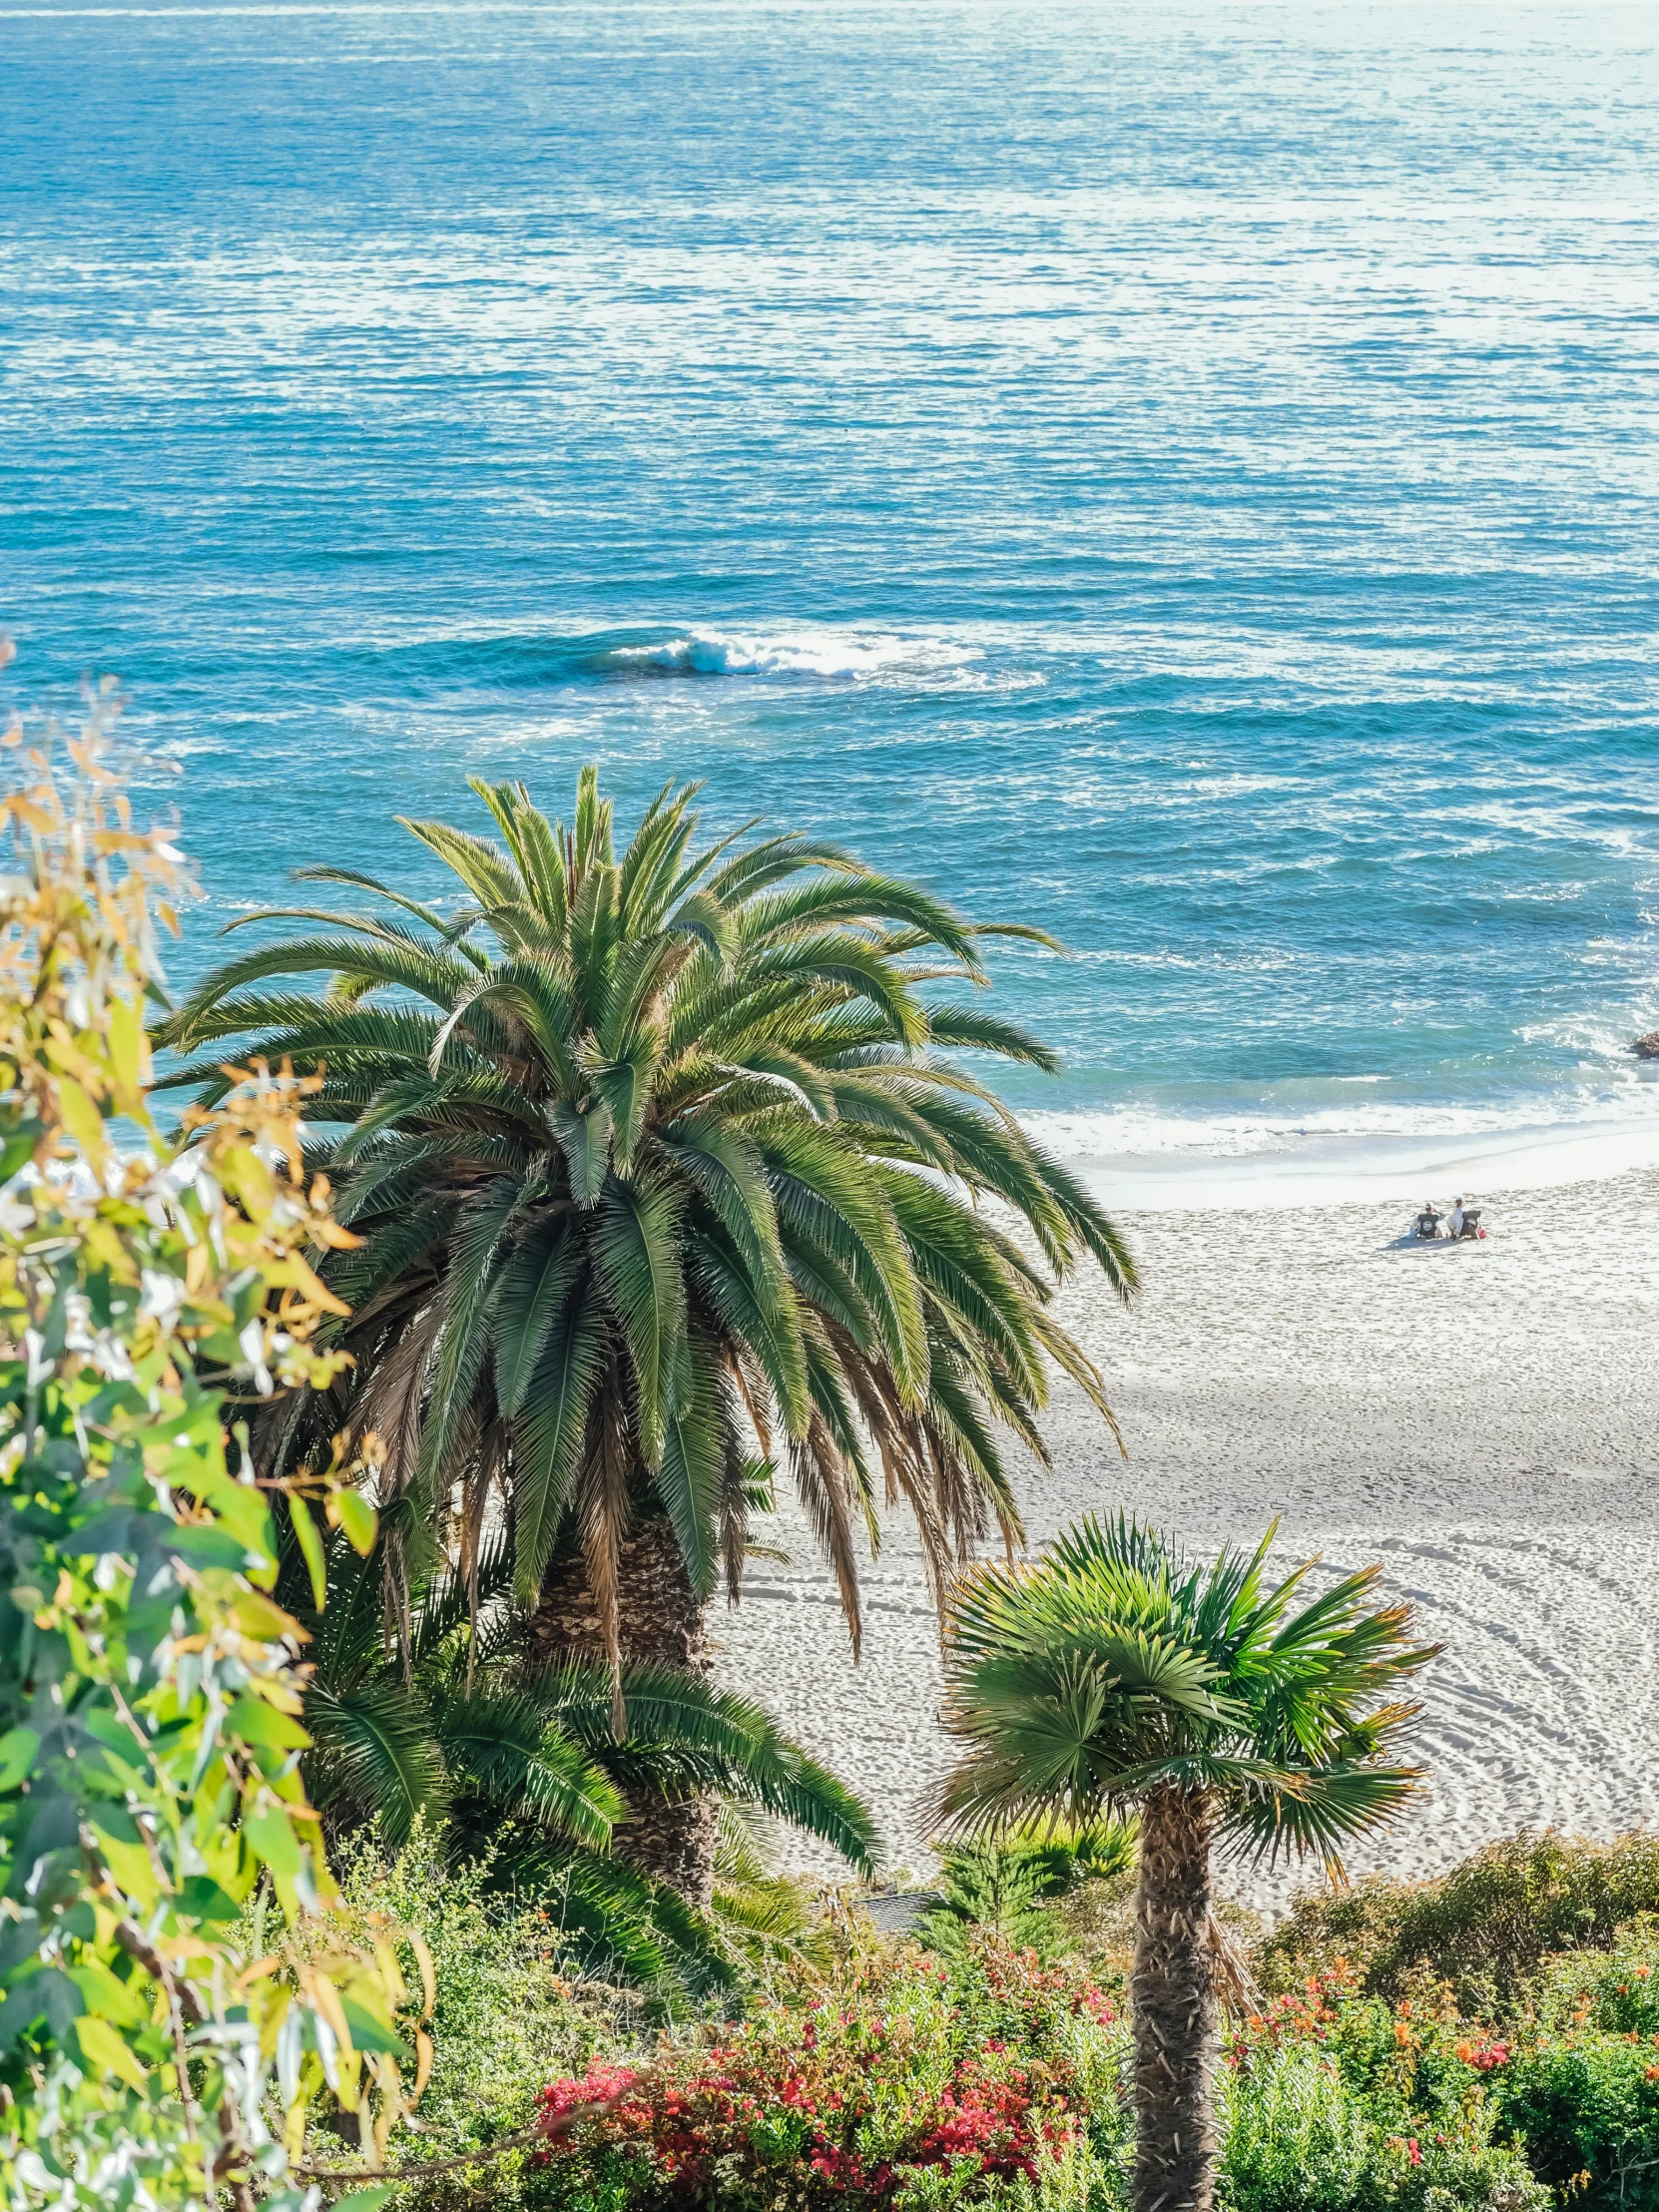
pixel 1115 1676
pixel 666 1190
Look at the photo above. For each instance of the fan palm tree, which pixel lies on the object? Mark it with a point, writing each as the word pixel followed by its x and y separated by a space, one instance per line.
pixel 463 1727
pixel 667 1191
pixel 1113 1676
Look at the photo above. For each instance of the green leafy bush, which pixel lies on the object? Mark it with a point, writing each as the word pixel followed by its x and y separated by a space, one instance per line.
pixel 1616 1990
pixel 150 1686
pixel 1013 1885
pixel 1586 2109
pixel 1333 2099
pixel 1580 2087
pixel 1485 1928
pixel 1295 2138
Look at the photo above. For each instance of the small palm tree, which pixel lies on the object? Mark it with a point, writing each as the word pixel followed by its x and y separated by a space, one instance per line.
pixel 1009 1884
pixel 457 1724
pixel 669 1191
pixel 1113 1676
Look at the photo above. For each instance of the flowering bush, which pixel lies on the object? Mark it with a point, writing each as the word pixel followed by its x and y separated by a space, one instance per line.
pixel 894 2079
pixel 1332 2100
pixel 1579 2081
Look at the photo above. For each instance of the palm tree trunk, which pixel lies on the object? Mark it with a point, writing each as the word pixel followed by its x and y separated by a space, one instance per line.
pixel 670 1839
pixel 1173 1997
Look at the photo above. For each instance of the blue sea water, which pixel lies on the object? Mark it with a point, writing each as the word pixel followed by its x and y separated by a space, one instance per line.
pixel 1184 476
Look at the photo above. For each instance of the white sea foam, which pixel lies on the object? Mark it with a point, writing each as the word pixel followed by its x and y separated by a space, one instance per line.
pixel 848 655
pixel 1357 1124
pixel 1359 1151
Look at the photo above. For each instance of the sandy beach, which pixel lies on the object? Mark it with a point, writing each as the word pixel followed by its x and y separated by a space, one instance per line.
pixel 1482 1419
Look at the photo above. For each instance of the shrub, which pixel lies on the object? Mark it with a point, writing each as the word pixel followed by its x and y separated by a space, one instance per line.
pixel 1586 2107
pixel 1581 2085
pixel 1485 1928
pixel 508 2013
pixel 1012 1885
pixel 1333 2099
pixel 1295 2137
pixel 894 2079
pixel 150 1687
pixel 1616 1990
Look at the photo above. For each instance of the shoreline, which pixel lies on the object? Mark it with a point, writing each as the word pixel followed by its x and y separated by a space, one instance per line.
pixel 1350 1169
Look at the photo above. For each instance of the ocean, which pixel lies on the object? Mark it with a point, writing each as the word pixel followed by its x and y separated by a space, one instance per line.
pixel 1181 476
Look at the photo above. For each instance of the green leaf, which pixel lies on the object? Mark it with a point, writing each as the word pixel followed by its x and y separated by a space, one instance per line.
pixel 693 1462
pixel 107 2051
pixel 377 1754
pixel 533 1291
pixel 17 1752
pixel 310 1546
pixel 585 1141
pixel 358 1519
pixel 365 2200
pixel 638 1259
pixel 273 1837
pixel 368 2033
pixel 255 1722
pixel 551 1433
pixel 201 1898
pixel 503 1743
pixel 19 1148
pixel 625 1085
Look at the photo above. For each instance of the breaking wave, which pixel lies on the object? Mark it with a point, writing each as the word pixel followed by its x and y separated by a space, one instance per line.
pixel 828 654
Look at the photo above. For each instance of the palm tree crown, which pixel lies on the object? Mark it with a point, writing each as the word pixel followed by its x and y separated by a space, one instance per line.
pixel 1115 1675
pixel 666 1189
pixel 1114 1667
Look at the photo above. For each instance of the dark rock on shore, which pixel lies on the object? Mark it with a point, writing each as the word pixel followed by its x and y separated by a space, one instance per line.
pixel 1647 1048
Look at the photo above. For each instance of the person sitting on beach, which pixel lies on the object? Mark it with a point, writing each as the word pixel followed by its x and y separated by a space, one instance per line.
pixel 1454 1226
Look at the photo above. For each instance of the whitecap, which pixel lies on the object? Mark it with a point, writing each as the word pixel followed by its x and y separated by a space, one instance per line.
pixel 829 654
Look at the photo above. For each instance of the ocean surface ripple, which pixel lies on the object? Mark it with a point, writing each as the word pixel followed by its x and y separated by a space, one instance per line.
pixel 1183 477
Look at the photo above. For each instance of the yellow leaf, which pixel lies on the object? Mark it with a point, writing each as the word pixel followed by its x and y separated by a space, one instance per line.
pixel 272 2025
pixel 428 1978
pixel 350 1511
pixel 275 1841
pixel 133 1869
pixel 325 1999
pixel 129 1053
pixel 257 1616
pixel 385 1958
pixel 106 2052
pixel 255 1722
pixel 82 1119
pixel 109 1998
pixel 292 1270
